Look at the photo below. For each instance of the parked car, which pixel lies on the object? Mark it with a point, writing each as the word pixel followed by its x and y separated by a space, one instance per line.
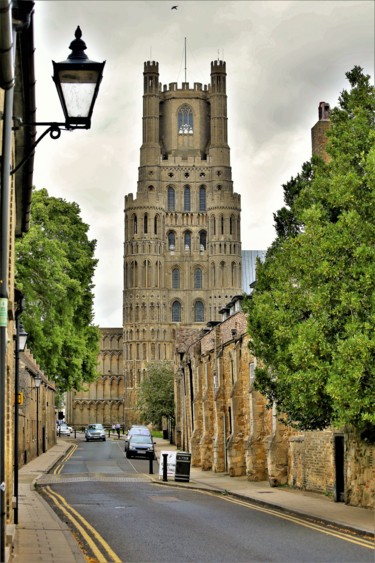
pixel 136 429
pixel 141 445
pixel 95 432
pixel 63 430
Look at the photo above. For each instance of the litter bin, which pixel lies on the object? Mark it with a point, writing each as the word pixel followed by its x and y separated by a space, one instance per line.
pixel 183 461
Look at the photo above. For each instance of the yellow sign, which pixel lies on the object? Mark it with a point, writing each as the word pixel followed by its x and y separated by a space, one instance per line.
pixel 20 399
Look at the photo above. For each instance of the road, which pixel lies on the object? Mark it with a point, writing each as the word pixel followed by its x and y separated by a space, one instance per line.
pixel 120 515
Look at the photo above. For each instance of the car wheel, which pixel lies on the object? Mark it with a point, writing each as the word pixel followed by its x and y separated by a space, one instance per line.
pixel 104 439
pixel 128 455
pixel 87 439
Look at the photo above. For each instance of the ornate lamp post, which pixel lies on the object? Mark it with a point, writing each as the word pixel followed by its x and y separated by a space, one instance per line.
pixel 37 381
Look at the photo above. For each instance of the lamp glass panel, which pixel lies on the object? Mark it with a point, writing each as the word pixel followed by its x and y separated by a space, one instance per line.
pixel 22 338
pixel 78 89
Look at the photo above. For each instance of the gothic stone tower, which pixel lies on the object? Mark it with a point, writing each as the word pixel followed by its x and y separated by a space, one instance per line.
pixel 182 253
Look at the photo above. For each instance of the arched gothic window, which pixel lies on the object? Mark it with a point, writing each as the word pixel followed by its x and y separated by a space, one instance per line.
pixel 171 240
pixel 135 225
pixel 202 240
pixel 156 224
pixel 202 198
pixel 185 120
pixel 145 223
pixel 171 199
pixel 198 312
pixel 187 198
pixel 176 278
pixel 187 240
pixel 176 312
pixel 197 278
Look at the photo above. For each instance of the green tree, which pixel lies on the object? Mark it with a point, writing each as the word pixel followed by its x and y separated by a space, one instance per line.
pixel 54 269
pixel 156 393
pixel 312 313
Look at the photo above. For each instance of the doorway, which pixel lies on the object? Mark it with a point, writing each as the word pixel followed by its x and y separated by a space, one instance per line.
pixel 339 469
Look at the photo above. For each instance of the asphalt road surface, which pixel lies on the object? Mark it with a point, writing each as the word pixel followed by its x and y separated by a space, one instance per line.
pixel 130 519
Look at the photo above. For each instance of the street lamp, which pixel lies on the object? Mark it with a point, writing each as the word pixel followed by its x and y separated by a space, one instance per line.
pixel 21 338
pixel 77 81
pixel 37 381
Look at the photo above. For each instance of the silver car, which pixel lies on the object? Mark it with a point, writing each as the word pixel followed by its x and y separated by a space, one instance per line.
pixel 64 430
pixel 95 432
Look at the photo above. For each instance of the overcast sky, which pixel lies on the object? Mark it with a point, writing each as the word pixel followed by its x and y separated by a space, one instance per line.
pixel 283 58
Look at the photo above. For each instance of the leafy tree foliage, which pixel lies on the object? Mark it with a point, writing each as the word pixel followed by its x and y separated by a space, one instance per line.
pixel 156 393
pixel 54 269
pixel 312 313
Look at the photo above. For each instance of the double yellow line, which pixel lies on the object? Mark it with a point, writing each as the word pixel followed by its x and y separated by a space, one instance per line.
pixel 58 468
pixel 99 547
pixel 361 541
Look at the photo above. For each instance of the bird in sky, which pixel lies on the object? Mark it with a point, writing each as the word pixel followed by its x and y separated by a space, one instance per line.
pixel 174 7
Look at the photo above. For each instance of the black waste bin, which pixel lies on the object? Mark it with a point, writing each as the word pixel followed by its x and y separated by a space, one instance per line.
pixel 183 461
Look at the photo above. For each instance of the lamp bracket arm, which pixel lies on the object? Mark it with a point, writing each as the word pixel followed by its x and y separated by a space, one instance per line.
pixel 54 130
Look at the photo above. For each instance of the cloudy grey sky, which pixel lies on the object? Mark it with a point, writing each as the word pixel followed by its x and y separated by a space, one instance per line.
pixel 283 58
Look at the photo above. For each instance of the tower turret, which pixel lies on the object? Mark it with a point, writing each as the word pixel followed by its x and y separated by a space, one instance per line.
pixel 150 149
pixel 319 132
pixel 219 149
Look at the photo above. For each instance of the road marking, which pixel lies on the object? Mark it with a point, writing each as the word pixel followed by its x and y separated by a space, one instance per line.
pixel 67 456
pixel 363 542
pixel 69 511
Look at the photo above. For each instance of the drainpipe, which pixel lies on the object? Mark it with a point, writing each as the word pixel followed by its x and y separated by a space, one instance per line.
pixel 7 74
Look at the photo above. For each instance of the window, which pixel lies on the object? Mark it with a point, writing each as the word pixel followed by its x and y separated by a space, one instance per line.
pixel 171 199
pixel 176 278
pixel 185 120
pixel 187 240
pixel 156 224
pixel 202 240
pixel 135 227
pixel 202 198
pixel 145 223
pixel 198 278
pixel 187 198
pixel 222 224
pixel 176 312
pixel 198 312
pixel 171 240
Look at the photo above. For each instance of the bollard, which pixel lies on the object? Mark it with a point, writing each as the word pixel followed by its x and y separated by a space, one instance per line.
pixel 165 467
pixel 75 433
pixel 150 464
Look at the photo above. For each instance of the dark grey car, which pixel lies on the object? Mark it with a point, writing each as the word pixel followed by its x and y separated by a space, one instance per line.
pixel 141 446
pixel 136 429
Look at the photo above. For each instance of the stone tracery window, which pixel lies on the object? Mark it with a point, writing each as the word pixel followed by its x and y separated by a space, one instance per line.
pixel 202 198
pixel 185 120
pixel 198 278
pixel 187 198
pixel 198 312
pixel 171 199
pixel 176 278
pixel 176 312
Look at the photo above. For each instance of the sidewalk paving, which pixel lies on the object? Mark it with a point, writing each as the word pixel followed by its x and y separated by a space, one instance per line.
pixel 42 536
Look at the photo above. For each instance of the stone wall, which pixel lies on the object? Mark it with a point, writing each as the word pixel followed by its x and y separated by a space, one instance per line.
pixel 311 462
pixel 360 473
pixel 229 427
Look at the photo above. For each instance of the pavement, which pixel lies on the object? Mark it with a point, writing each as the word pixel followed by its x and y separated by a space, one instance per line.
pixel 41 536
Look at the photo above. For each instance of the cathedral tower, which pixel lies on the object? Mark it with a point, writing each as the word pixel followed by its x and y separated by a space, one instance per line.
pixel 182 252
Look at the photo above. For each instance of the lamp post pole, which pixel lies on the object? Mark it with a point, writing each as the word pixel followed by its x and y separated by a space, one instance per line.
pixel 38 381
